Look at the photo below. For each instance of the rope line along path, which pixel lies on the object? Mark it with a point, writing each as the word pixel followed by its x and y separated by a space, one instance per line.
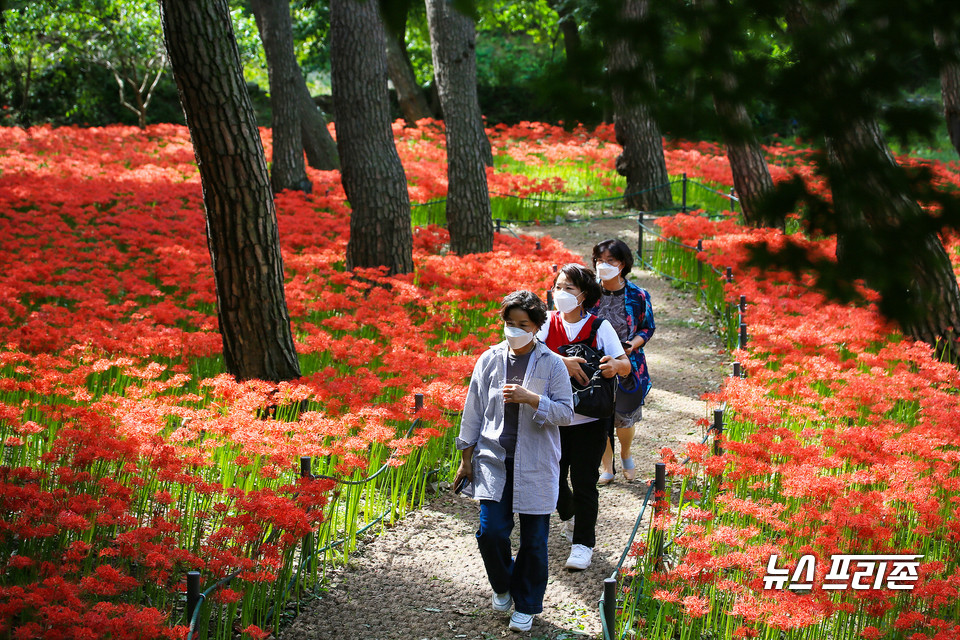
pixel 424 578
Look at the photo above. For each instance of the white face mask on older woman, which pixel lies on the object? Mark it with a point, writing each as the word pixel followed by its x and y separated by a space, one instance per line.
pixel 607 271
pixel 517 338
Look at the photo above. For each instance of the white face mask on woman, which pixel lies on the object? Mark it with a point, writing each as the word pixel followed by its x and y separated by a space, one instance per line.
pixel 607 271
pixel 566 302
pixel 517 338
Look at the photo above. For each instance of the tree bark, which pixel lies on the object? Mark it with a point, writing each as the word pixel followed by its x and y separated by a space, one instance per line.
pixel 751 176
pixel 883 235
pixel 413 102
pixel 319 145
pixel 453 41
pixel 373 178
pixel 241 220
pixel 568 28
pixel 642 161
pixel 288 170
pixel 950 83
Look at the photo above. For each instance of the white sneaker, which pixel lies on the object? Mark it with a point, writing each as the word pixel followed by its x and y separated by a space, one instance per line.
pixel 502 601
pixel 580 557
pixel 521 621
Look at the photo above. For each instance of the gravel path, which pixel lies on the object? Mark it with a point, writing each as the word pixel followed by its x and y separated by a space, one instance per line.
pixel 424 578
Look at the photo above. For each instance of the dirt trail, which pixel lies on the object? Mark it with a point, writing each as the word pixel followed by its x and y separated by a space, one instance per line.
pixel 424 579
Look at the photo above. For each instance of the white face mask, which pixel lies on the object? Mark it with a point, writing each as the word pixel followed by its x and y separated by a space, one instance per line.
pixel 517 338
pixel 565 302
pixel 607 271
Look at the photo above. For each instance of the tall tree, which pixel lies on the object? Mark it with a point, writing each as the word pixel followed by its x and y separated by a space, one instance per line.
pixel 373 178
pixel 410 96
pixel 883 235
pixel 949 47
pixel 241 220
pixel 453 44
pixel 751 176
pixel 319 145
pixel 642 161
pixel 288 170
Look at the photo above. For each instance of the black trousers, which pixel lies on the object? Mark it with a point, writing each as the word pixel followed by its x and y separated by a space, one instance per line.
pixel 581 449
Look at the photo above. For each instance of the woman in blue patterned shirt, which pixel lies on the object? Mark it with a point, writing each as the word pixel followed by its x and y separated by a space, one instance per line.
pixel 628 308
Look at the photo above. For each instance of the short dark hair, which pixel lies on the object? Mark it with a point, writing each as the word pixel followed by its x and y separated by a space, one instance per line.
pixel 619 250
pixel 585 279
pixel 525 301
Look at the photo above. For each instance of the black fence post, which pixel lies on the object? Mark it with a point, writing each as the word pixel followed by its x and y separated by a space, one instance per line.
pixel 683 196
pixel 555 267
pixel 417 403
pixel 640 237
pixel 193 593
pixel 549 299
pixel 610 605
pixel 736 370
pixel 659 503
pixel 743 336
pixel 306 551
pixel 729 274
pixel 743 304
pixel 699 269
pixel 717 432
pixel 538 245
pixel 498 224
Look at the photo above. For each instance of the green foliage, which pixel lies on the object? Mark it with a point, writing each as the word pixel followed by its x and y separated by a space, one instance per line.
pixel 63 59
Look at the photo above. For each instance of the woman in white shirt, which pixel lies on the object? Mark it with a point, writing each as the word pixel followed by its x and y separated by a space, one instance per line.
pixel 582 443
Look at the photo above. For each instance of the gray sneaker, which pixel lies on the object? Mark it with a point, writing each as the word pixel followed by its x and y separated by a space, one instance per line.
pixel 521 621
pixel 502 601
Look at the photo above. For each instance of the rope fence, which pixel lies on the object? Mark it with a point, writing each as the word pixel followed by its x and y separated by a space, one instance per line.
pixel 310 551
pixel 683 265
pixel 668 258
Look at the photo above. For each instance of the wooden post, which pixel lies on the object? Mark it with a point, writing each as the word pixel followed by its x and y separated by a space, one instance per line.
pixel 659 501
pixel 699 269
pixel 717 431
pixel 610 605
pixel 640 237
pixel 683 198
pixel 193 593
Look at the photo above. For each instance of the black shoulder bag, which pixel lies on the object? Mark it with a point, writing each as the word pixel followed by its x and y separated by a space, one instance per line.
pixel 598 398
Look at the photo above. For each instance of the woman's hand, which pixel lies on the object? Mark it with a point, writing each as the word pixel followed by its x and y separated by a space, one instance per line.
pixel 610 366
pixel 516 393
pixel 633 344
pixel 466 467
pixel 575 370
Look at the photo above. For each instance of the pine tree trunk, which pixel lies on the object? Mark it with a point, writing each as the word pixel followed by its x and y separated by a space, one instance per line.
pixel 413 102
pixel 453 41
pixel 319 145
pixel 883 235
pixel 241 219
pixel 572 43
pixel 751 176
pixel 288 170
pixel 373 178
pixel 642 161
pixel 880 223
pixel 950 83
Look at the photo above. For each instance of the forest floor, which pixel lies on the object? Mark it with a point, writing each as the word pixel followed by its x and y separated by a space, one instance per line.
pixel 423 578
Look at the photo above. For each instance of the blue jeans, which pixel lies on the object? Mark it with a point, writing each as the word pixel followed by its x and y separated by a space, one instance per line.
pixel 526 576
